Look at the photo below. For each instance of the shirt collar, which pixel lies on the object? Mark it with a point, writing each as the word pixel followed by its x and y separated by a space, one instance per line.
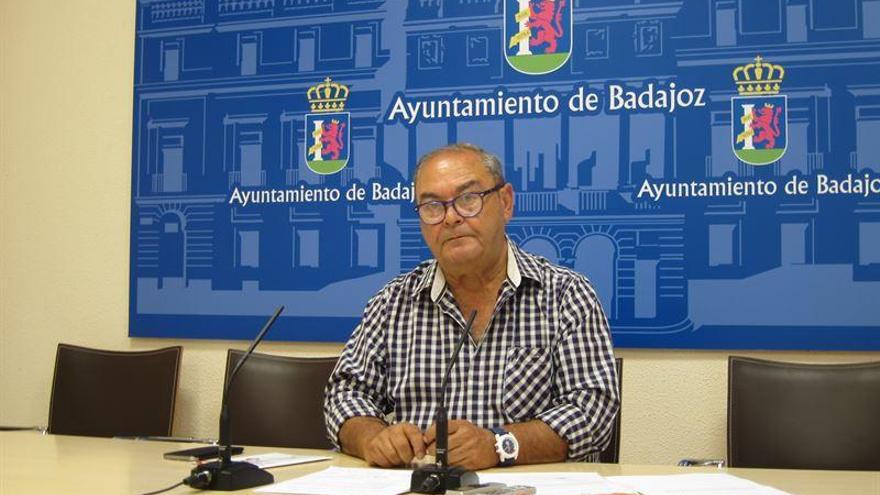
pixel 518 266
pixel 527 265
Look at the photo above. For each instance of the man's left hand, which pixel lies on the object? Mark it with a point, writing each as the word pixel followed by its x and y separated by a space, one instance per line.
pixel 470 447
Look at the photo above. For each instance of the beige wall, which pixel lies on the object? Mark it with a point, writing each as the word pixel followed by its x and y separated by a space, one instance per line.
pixel 65 170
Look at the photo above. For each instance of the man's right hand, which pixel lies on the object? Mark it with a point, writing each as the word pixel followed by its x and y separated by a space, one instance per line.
pixel 381 445
pixel 395 445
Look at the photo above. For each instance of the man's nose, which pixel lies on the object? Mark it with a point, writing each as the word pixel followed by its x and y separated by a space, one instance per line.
pixel 452 217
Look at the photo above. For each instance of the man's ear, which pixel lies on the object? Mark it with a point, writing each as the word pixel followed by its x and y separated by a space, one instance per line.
pixel 506 195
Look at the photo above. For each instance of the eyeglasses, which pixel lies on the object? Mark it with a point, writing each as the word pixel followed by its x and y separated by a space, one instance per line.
pixel 467 205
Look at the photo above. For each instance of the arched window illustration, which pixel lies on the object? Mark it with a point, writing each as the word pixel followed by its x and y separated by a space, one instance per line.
pixel 596 257
pixel 171 246
pixel 542 247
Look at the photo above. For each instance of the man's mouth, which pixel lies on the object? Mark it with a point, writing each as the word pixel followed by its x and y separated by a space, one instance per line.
pixel 453 238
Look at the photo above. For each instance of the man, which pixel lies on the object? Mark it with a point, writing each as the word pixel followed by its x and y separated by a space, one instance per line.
pixel 537 373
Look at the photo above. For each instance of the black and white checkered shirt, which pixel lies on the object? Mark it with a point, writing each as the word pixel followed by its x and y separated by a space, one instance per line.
pixel 545 355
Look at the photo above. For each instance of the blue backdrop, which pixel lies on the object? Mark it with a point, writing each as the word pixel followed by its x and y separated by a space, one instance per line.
pixel 713 166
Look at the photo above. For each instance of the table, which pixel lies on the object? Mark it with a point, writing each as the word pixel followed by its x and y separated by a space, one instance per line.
pixel 34 463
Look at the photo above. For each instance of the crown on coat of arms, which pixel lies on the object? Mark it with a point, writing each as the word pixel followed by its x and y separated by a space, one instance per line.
pixel 758 78
pixel 327 96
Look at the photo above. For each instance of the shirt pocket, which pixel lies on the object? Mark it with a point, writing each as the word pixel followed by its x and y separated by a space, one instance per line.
pixel 528 382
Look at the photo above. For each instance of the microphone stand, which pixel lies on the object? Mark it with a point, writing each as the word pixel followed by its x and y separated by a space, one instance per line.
pixel 439 477
pixel 224 474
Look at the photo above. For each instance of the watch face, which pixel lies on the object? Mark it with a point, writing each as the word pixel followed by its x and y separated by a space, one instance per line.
pixel 507 446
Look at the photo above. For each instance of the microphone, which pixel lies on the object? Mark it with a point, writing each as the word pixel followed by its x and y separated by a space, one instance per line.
pixel 224 474
pixel 439 477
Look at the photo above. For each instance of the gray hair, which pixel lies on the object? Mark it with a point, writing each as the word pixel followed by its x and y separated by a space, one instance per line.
pixel 490 161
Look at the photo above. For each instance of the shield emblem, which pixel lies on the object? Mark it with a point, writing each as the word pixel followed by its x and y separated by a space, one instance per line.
pixel 759 128
pixel 537 34
pixel 327 141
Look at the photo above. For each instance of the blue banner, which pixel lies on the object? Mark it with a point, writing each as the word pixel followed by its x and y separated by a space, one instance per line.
pixel 712 166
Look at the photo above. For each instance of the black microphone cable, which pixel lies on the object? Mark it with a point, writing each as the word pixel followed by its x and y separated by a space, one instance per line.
pixel 172 487
pixel 198 480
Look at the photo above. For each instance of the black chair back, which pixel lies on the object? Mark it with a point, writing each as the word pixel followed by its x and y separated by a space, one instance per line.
pixel 611 454
pixel 803 416
pixel 113 393
pixel 278 401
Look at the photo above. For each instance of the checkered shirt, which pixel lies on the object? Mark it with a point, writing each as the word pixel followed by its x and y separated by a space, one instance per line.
pixel 545 355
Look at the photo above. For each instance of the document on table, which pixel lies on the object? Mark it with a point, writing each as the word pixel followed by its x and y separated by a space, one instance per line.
pixel 694 484
pixel 364 481
pixel 560 483
pixel 276 459
pixel 345 481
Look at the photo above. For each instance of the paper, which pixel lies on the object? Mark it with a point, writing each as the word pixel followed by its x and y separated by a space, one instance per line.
pixel 364 481
pixel 694 484
pixel 345 481
pixel 275 459
pixel 562 483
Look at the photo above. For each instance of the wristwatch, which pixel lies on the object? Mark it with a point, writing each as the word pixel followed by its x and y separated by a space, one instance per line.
pixel 506 446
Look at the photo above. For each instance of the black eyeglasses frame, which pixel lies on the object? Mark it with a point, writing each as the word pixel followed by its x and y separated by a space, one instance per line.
pixel 451 202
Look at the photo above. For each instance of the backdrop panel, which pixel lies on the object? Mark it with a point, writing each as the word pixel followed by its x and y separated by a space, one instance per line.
pixel 710 165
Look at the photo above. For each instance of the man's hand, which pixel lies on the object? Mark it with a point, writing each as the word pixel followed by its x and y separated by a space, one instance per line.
pixel 470 446
pixel 395 445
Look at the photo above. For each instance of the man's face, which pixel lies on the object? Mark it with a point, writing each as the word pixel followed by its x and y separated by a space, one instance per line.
pixel 458 242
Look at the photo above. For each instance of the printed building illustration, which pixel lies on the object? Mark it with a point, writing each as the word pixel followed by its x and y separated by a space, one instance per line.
pixel 221 106
pixel 221 93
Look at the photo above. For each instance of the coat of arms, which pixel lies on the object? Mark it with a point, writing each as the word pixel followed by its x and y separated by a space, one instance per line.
pixel 759 117
pixel 327 128
pixel 537 34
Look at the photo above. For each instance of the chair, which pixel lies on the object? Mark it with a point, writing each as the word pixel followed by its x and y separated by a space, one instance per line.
pixel 113 393
pixel 611 454
pixel 803 416
pixel 278 401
